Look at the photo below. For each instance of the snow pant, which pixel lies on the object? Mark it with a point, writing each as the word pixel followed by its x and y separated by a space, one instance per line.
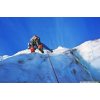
pixel 32 49
pixel 40 47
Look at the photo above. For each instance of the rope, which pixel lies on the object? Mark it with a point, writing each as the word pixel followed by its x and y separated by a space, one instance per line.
pixel 53 68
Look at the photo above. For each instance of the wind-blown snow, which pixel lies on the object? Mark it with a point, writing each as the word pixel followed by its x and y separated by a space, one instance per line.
pixel 79 64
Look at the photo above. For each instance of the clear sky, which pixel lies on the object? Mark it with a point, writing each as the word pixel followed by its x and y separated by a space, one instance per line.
pixel 15 33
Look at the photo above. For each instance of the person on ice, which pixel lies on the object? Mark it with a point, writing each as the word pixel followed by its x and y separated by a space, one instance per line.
pixel 35 43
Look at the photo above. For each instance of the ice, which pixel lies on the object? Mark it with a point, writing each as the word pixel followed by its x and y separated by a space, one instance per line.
pixel 89 55
pixel 75 65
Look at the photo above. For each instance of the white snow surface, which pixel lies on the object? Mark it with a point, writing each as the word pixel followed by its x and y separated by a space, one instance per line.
pixel 89 55
pixel 79 64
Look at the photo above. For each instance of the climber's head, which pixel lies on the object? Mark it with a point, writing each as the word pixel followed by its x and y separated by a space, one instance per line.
pixel 34 37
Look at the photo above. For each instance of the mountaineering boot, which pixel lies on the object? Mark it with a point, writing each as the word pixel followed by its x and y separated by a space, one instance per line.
pixel 41 50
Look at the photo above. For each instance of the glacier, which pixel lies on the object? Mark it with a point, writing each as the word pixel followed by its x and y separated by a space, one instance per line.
pixel 64 65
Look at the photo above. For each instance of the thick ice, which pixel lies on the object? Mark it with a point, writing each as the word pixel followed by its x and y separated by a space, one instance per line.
pixel 79 64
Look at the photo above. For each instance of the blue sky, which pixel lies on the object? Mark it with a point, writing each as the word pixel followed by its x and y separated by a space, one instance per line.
pixel 15 33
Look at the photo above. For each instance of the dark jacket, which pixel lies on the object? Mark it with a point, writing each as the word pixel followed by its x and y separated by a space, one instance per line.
pixel 34 42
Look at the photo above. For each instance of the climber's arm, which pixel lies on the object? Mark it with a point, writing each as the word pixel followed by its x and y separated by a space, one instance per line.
pixel 47 47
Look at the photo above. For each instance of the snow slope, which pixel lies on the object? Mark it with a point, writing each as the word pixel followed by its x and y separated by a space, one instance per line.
pixel 89 55
pixel 63 65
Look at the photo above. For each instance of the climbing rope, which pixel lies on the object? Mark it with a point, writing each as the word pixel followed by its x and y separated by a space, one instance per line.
pixel 53 68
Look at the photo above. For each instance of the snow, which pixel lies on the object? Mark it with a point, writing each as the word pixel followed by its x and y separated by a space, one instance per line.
pixel 89 55
pixel 60 50
pixel 79 64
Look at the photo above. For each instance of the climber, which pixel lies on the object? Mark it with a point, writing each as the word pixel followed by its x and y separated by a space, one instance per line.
pixel 35 43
